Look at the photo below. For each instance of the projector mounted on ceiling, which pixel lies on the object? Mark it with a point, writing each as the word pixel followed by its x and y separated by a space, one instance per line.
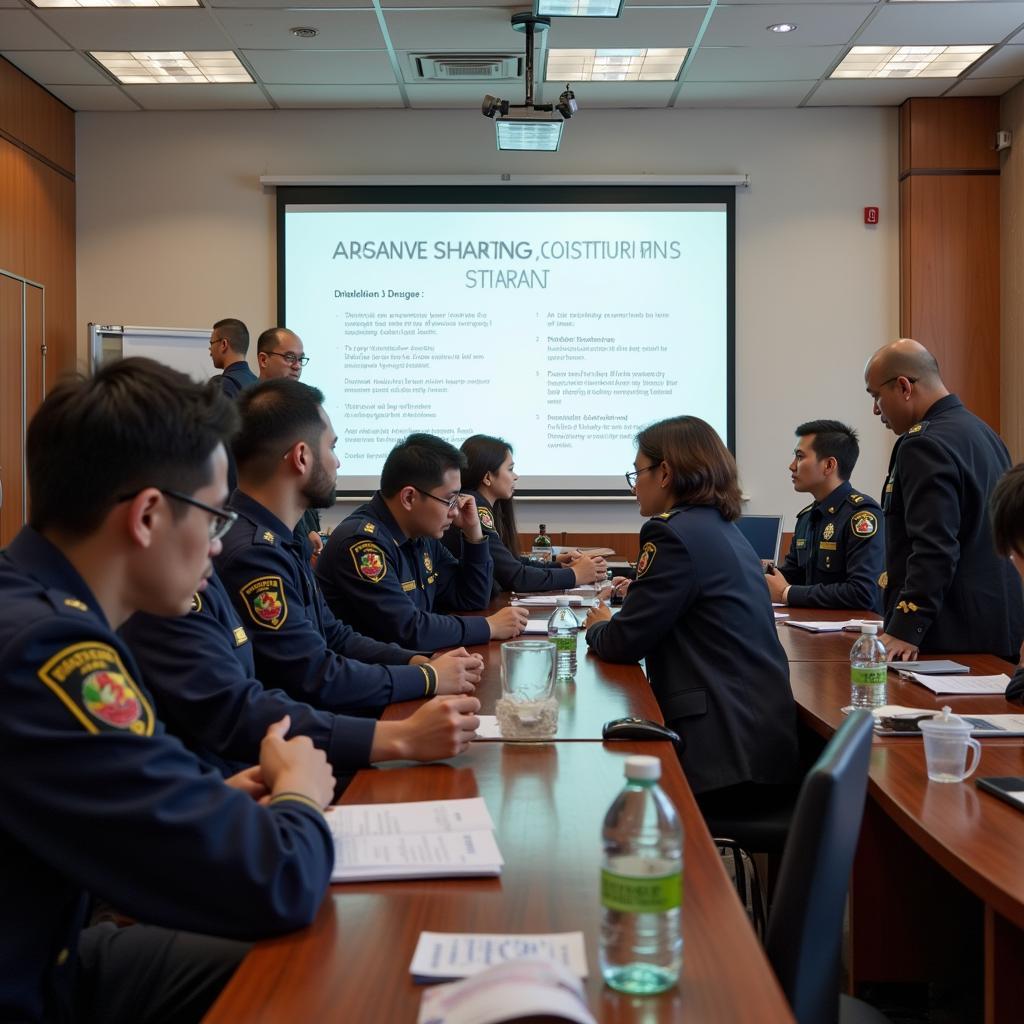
pixel 530 132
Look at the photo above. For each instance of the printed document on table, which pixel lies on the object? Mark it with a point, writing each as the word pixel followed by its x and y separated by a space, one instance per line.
pixel 442 956
pixel 469 815
pixel 430 855
pixel 962 684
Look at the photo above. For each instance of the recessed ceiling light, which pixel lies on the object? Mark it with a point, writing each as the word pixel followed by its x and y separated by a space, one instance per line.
pixel 618 65
pixel 782 26
pixel 115 3
pixel 173 68
pixel 577 8
pixel 304 32
pixel 908 61
pixel 533 134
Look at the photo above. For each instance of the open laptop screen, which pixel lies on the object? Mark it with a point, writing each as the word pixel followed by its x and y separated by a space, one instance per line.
pixel 764 534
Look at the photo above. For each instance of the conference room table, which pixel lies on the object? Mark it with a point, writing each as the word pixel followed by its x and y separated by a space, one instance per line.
pixel 548 802
pixel 937 892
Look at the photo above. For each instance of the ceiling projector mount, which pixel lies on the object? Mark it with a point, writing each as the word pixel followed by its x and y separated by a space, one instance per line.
pixel 530 131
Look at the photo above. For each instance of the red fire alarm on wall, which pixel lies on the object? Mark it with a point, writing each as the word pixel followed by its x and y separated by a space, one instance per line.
pixel 870 214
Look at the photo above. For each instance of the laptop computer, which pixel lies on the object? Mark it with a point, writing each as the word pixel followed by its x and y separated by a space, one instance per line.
pixel 764 534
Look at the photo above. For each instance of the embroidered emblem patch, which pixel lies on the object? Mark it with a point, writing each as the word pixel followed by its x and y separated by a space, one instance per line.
pixel 197 603
pixel 883 580
pixel 643 563
pixel 369 561
pixel 73 602
pixel 427 563
pixel 268 536
pixel 907 607
pixel 265 601
pixel 864 523
pixel 486 519
pixel 917 428
pixel 93 683
pixel 829 532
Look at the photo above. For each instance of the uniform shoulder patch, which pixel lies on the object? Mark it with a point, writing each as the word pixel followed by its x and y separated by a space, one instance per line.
pixel 646 559
pixel 92 682
pixel 369 527
pixel 486 518
pixel 265 601
pixel 864 523
pixel 369 561
pixel 855 499
pixel 805 509
pixel 919 428
pixel 267 536
pixel 73 602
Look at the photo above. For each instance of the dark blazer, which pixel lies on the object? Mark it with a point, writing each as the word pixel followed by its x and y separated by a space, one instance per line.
pixel 511 572
pixel 700 613
pixel 946 589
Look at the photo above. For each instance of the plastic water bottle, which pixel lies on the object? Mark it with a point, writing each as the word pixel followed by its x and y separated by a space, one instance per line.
pixel 642 885
pixel 868 669
pixel 563 632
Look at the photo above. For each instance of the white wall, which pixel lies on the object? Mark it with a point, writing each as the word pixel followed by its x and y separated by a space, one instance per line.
pixel 175 230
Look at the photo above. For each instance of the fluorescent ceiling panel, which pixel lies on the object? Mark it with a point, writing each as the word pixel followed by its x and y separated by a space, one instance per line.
pixel 176 67
pixel 908 61
pixel 115 3
pixel 578 8
pixel 532 135
pixel 614 65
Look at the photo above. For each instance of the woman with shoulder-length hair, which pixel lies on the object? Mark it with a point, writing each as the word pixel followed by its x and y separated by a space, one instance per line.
pixel 491 478
pixel 700 613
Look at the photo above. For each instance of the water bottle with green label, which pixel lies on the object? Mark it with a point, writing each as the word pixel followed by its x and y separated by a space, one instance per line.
pixel 868 669
pixel 642 885
pixel 564 633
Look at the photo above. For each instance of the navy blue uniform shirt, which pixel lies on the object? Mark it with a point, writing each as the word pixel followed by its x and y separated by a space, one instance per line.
pixel 200 669
pixel 837 553
pixel 96 798
pixel 389 585
pixel 299 646
pixel 236 378
pixel 700 614
pixel 946 590
pixel 511 572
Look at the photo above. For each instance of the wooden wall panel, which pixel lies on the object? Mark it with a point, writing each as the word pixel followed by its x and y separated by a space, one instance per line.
pixel 949 243
pixel 36 119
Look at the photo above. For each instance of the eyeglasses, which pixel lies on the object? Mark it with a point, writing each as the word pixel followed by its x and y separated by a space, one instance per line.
pixel 291 358
pixel 450 502
pixel 885 383
pixel 221 520
pixel 633 474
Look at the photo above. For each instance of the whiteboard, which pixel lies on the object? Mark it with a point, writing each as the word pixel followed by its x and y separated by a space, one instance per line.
pixel 183 348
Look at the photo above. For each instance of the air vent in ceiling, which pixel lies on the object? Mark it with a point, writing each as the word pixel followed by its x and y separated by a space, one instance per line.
pixel 466 67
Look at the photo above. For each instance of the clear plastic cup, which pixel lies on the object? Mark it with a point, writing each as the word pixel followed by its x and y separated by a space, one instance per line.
pixel 947 738
pixel 528 708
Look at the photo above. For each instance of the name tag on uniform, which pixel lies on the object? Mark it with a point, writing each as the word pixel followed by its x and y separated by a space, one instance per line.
pixel 827 545
pixel 240 636
pixel 801 542
pixel 411 585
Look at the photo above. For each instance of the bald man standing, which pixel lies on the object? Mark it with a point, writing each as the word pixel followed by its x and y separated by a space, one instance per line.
pixel 945 588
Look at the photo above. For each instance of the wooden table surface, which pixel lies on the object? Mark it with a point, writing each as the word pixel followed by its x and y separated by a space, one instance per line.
pixel 548 802
pixel 601 692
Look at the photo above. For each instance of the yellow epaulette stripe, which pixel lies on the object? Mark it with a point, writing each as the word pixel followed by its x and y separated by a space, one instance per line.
pixel 298 798
pixel 430 674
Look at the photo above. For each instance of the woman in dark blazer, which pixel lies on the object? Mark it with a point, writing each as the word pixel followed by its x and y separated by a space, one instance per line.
pixel 700 614
pixel 491 478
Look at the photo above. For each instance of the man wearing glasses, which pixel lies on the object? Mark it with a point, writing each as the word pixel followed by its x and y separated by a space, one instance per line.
pixel 385 570
pixel 945 588
pixel 96 799
pixel 229 343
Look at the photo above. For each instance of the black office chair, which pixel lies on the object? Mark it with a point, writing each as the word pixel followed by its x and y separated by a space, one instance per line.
pixel 805 925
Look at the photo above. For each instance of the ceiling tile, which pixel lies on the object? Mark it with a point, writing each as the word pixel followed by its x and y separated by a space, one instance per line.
pixel 466 29
pixel 604 95
pixel 1006 62
pixel 983 86
pixel 644 27
pixel 160 28
pixel 22 30
pixel 324 67
pixel 296 5
pixel 92 97
pixel 511 5
pixel 754 64
pixel 742 94
pixel 269 30
pixel 817 24
pixel 449 95
pixel 62 67
pixel 198 97
pixel 949 23
pixel 313 96
pixel 874 92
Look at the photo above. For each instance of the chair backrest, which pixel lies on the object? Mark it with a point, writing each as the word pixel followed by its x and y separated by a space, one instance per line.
pixel 805 928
